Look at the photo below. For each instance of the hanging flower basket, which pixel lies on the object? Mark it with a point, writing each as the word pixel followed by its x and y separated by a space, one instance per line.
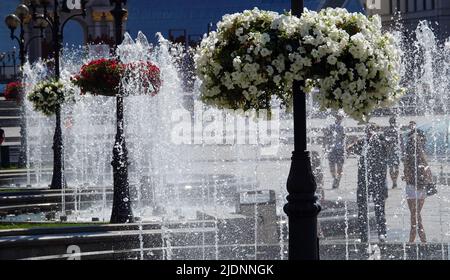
pixel 14 91
pixel 256 55
pixel 105 77
pixel 48 95
pixel 100 77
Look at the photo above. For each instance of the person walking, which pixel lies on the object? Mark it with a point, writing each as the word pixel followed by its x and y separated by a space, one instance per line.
pixel 417 174
pixel 335 146
pixel 391 135
pixel 372 177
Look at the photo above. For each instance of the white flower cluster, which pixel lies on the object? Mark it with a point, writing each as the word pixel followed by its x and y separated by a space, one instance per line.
pixel 240 65
pixel 256 55
pixel 48 95
pixel 355 66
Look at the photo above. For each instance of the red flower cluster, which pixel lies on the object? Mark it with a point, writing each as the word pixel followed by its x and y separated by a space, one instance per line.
pixel 13 91
pixel 103 76
pixel 149 75
pixel 100 77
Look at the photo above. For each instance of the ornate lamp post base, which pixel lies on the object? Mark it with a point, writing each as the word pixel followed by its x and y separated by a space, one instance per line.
pixel 302 209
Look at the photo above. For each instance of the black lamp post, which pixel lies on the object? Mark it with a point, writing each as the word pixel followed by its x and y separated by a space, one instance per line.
pixel 302 207
pixel 121 209
pixel 13 21
pixel 57 28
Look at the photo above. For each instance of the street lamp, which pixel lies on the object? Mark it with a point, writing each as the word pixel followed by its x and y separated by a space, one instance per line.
pixel 57 27
pixel 14 21
pixel 121 209
pixel 302 207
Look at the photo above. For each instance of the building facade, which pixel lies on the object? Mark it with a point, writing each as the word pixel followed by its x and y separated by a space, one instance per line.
pixel 408 14
pixel 97 27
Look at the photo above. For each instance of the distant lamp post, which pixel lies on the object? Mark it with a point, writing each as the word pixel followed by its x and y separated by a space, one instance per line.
pixel 14 21
pixel 53 20
pixel 121 209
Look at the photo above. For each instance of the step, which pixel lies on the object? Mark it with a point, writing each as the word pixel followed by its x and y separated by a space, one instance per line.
pixel 8 104
pixel 10 112
pixel 10 122
pixel 103 228
pixel 12 139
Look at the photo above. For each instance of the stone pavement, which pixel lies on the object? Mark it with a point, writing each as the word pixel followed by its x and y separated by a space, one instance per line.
pixel 271 173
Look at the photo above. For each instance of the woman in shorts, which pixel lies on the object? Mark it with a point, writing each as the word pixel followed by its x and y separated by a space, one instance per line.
pixel 417 175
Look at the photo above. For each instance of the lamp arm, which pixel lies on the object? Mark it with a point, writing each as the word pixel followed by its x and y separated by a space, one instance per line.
pixel 47 19
pixel 14 37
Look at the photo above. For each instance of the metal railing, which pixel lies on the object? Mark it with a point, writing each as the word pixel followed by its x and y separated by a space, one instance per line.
pixel 8 66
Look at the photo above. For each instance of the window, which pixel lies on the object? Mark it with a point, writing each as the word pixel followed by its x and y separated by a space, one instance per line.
pixel 420 4
pixel 391 10
pixel 428 5
pixel 406 6
pixel 398 6
pixel 415 5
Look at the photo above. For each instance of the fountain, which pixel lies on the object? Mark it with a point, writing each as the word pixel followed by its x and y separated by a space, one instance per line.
pixel 213 182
